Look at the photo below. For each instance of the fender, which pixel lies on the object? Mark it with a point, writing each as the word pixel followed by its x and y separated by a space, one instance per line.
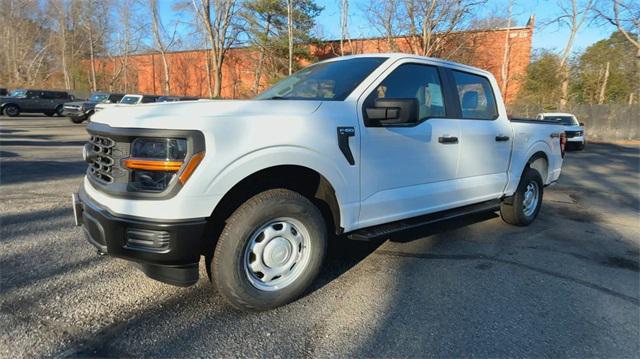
pixel 521 159
pixel 264 158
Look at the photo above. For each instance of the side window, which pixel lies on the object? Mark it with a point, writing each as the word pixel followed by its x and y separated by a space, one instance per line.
pixel 421 82
pixel 148 99
pixel 477 101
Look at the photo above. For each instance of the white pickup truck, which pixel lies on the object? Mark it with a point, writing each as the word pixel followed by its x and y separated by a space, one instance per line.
pixel 360 146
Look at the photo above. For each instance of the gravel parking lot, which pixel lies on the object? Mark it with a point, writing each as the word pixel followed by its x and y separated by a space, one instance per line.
pixel 567 286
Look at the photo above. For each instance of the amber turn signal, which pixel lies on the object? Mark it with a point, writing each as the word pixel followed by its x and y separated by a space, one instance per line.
pixel 152 165
pixel 191 166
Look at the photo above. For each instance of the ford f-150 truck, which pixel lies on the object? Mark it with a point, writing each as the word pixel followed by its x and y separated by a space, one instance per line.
pixel 360 146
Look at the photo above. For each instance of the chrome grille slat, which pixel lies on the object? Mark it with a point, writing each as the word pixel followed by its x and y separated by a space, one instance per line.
pixel 101 168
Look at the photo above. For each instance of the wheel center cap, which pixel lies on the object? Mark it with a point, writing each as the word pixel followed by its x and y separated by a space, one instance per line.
pixel 277 252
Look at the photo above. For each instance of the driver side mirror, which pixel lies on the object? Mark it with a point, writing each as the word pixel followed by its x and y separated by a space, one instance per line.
pixel 582 124
pixel 392 111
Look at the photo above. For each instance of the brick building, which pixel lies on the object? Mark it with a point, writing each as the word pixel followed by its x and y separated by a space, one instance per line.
pixel 188 71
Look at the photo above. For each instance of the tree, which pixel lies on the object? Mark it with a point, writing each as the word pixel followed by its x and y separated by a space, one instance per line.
pixel 26 49
pixel 220 22
pixel 424 24
pixel 268 31
pixel 163 42
pixel 542 85
pixel 573 14
pixel 606 72
pixel 344 26
pixel 625 16
pixel 383 15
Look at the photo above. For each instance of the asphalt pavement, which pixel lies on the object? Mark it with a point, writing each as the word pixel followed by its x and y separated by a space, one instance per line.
pixel 566 286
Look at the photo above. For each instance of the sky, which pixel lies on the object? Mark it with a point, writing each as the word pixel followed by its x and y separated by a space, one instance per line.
pixel 545 36
pixel 550 37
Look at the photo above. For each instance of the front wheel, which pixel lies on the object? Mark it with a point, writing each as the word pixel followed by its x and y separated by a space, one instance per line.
pixel 270 250
pixel 522 208
pixel 77 119
pixel 59 110
pixel 12 110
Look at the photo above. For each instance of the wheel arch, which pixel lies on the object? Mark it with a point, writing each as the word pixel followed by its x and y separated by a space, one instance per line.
pixel 539 161
pixel 2 107
pixel 304 180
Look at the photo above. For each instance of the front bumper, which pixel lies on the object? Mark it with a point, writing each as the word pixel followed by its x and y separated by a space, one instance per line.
pixel 577 139
pixel 69 112
pixel 168 251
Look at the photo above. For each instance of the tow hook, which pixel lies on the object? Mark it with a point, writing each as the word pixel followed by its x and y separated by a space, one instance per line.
pixel 101 253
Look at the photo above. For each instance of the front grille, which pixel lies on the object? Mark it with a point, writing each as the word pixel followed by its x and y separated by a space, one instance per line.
pixel 101 167
pixel 571 134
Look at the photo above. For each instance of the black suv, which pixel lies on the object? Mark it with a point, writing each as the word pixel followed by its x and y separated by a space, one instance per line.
pixel 81 110
pixel 34 101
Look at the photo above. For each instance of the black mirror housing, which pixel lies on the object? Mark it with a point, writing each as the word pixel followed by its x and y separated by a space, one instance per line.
pixel 582 124
pixel 393 111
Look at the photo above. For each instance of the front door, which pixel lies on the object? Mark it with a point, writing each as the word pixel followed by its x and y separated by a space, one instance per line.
pixel 407 170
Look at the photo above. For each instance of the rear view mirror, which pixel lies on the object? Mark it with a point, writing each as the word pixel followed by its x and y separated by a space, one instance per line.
pixel 392 111
pixel 582 124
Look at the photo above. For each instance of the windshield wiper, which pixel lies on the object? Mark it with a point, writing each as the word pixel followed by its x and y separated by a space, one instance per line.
pixel 277 98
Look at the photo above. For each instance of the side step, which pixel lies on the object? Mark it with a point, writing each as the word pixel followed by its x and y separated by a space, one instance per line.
pixel 367 234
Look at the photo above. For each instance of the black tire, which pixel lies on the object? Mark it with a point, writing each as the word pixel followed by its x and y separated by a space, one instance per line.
pixel 77 119
pixel 228 268
pixel 49 114
pixel 59 110
pixel 12 110
pixel 512 209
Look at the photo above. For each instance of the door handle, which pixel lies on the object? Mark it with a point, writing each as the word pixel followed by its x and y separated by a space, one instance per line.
pixel 502 138
pixel 448 139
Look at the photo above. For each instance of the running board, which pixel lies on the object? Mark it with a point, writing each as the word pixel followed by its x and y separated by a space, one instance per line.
pixel 367 234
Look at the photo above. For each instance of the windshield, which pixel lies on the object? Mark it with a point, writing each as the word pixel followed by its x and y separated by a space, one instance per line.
pixel 98 97
pixel 330 81
pixel 130 100
pixel 18 93
pixel 563 120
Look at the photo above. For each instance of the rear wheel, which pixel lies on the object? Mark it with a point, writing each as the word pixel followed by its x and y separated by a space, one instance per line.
pixel 77 119
pixel 522 208
pixel 270 251
pixel 49 114
pixel 12 110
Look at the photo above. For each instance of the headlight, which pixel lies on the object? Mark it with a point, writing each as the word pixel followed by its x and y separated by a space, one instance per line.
pixel 159 148
pixel 154 163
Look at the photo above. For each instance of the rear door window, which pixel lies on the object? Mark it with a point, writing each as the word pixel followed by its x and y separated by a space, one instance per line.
pixel 476 97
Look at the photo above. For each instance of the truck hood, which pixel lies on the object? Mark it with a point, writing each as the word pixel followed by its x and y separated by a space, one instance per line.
pixel 174 114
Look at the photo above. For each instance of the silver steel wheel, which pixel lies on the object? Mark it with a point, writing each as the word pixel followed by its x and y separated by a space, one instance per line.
pixel 531 196
pixel 277 254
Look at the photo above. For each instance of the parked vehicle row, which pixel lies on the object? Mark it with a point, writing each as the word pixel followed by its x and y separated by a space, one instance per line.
pixel 61 103
pixel 81 110
pixel 34 101
pixel 361 145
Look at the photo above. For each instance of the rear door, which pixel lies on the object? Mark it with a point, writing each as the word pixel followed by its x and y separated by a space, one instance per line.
pixel 48 101
pixel 34 101
pixel 406 170
pixel 485 138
